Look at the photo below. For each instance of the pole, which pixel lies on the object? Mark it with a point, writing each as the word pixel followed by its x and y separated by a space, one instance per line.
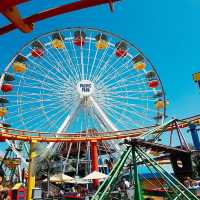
pixel 138 192
pixel 195 137
pixel 94 157
pixel 31 173
pixel 48 177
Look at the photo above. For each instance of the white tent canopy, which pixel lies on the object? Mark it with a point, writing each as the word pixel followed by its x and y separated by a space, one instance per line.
pixel 95 175
pixel 60 178
pixel 79 181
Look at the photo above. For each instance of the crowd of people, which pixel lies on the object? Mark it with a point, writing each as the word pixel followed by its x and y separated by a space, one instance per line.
pixel 193 185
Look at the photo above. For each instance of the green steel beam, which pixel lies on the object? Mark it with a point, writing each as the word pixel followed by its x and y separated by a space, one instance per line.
pixel 106 187
pixel 168 177
pixel 138 191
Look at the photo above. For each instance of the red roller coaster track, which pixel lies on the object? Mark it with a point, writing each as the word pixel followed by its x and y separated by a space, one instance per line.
pixel 8 9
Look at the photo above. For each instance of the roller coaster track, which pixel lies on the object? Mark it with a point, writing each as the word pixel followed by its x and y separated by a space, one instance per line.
pixel 24 135
pixel 9 9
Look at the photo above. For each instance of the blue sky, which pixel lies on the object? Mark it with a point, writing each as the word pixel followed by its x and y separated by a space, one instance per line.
pixel 167 32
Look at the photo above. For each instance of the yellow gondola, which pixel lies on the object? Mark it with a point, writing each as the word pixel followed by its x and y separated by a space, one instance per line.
pixel 19 67
pixel 3 111
pixel 101 41
pixel 139 62
pixel 139 66
pixel 101 44
pixel 57 41
pixel 160 104
pixel 196 76
pixel 57 44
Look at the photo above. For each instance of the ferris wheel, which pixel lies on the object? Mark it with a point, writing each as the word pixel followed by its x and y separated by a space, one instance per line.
pixel 78 79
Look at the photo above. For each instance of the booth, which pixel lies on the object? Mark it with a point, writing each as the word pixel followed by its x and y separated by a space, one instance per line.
pixel 73 196
pixel 18 192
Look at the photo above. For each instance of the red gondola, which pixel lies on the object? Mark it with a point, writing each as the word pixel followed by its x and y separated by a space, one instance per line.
pixel 6 87
pixel 153 83
pixel 37 49
pixel 37 52
pixel 121 50
pixel 79 38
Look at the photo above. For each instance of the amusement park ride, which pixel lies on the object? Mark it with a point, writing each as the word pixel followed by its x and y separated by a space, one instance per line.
pixel 84 100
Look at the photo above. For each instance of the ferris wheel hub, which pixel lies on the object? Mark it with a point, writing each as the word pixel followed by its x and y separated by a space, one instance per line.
pixel 85 88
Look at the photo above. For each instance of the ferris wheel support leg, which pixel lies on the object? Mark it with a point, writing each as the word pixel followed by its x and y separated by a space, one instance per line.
pixel 31 172
pixel 105 120
pixel 103 116
pixel 94 158
pixel 63 127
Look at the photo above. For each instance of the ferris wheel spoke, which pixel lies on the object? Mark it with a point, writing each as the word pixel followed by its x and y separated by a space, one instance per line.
pixel 34 81
pixel 71 69
pixel 114 72
pixel 58 63
pixel 109 107
pixel 28 94
pixel 75 54
pixel 103 115
pixel 70 63
pixel 93 64
pixel 108 66
pixel 35 101
pixel 63 68
pixel 116 79
pixel 123 122
pixel 106 63
pixel 43 76
pixel 123 84
pixel 46 70
pixel 141 99
pixel 55 118
pixel 128 110
pixel 46 89
pixel 130 105
pixel 114 145
pixel 88 56
pixel 82 63
pixel 131 109
pixel 63 127
pixel 134 84
pixel 74 66
pixel 61 111
pixel 99 65
pixel 34 109
pixel 52 118
pixel 56 59
pixel 49 62
pixel 119 94
pixel 26 103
